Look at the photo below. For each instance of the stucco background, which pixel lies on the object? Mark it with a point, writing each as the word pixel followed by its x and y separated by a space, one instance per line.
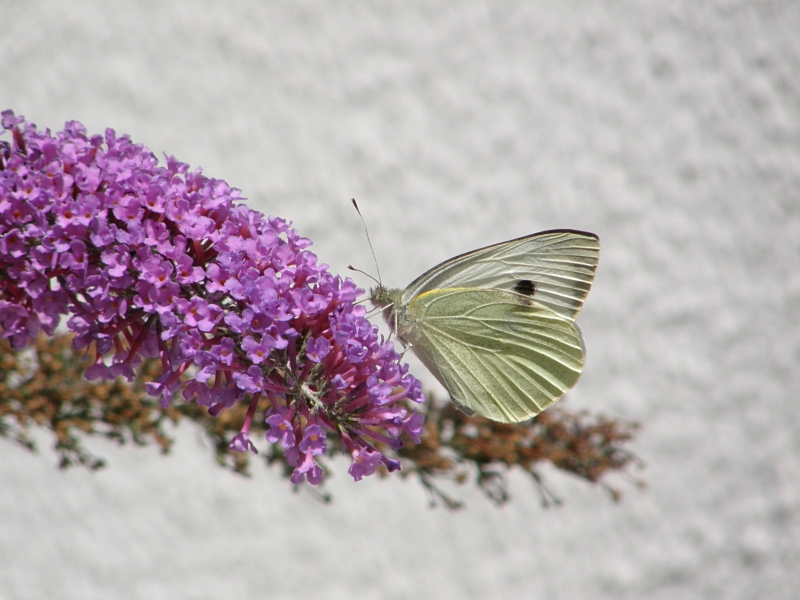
pixel 670 128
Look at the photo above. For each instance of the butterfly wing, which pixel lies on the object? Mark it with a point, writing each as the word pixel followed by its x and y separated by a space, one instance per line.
pixel 556 268
pixel 499 354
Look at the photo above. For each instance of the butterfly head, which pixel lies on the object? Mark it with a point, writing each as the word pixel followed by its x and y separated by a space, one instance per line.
pixel 387 300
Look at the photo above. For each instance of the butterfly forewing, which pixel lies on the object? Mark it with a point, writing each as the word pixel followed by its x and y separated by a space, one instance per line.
pixel 500 354
pixel 556 268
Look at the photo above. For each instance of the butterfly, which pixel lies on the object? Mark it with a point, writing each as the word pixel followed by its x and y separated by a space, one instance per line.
pixel 496 326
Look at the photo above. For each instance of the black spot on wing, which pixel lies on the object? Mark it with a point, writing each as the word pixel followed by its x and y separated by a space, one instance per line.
pixel 526 287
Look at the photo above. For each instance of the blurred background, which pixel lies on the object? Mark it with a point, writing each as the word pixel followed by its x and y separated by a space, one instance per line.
pixel 670 128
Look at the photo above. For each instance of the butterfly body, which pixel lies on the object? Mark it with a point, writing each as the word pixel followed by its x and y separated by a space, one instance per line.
pixel 496 326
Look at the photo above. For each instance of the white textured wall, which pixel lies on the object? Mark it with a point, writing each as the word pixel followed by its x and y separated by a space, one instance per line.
pixel 670 128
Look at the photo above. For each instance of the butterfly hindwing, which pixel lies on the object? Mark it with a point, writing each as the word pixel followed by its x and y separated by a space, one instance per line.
pixel 501 354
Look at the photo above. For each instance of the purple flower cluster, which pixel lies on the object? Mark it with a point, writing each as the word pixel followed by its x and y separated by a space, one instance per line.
pixel 159 261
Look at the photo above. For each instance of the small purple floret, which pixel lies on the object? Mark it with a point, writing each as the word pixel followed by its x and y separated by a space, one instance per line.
pixel 364 463
pixel 280 429
pixel 241 443
pixel 308 469
pixel 313 440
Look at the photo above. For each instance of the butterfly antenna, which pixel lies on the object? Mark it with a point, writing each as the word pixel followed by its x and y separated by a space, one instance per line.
pixel 352 268
pixel 369 241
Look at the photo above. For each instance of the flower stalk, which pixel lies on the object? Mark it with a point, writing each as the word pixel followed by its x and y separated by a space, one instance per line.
pixel 43 387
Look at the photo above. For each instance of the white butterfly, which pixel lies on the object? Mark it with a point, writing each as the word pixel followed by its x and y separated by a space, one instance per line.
pixel 496 326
